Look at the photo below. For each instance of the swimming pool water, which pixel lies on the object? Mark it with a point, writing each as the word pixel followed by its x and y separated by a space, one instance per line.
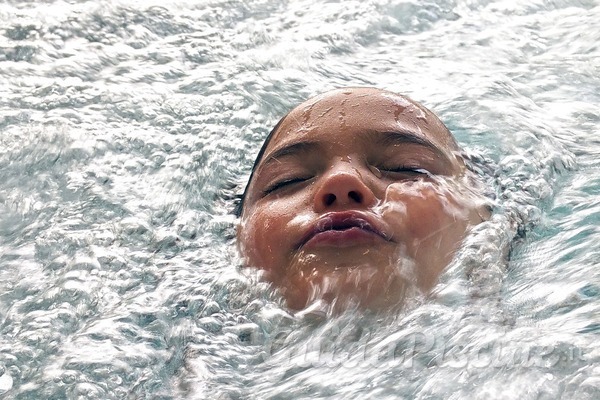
pixel 126 127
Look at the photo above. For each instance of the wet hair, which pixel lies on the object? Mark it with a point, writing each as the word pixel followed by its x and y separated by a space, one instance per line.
pixel 239 206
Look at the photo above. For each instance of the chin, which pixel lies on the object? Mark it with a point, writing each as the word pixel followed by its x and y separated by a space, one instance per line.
pixel 344 287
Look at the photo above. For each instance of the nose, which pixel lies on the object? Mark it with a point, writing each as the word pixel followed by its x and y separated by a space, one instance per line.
pixel 343 187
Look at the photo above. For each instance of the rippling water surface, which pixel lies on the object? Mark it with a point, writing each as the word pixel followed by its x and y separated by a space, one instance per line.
pixel 125 127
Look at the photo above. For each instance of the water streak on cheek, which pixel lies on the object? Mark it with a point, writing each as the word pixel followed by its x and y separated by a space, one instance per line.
pixel 299 264
pixel 396 197
pixel 459 198
pixel 242 235
pixel 406 267
pixel 300 219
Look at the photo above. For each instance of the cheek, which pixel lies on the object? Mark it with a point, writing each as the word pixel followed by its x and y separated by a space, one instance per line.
pixel 265 237
pixel 424 208
pixel 430 220
pixel 257 239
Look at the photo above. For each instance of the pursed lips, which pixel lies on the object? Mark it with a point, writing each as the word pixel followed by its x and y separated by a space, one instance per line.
pixel 344 221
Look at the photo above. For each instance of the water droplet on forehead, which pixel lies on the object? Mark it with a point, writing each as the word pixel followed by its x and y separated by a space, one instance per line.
pixel 325 112
pixel 398 112
pixel 398 100
pixel 306 113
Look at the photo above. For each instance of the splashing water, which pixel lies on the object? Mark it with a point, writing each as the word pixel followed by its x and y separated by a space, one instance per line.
pixel 125 127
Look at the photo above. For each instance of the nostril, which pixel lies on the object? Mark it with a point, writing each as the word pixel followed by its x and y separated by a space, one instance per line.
pixel 357 197
pixel 329 199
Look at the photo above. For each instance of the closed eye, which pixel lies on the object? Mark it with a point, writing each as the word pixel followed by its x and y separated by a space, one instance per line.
pixel 413 172
pixel 283 183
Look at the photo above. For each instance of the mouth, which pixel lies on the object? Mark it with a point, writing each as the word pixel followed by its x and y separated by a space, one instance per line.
pixel 344 229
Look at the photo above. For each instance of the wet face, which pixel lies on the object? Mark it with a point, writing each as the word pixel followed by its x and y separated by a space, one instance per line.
pixel 360 198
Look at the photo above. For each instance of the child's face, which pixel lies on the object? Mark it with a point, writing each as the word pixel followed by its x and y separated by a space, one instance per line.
pixel 359 198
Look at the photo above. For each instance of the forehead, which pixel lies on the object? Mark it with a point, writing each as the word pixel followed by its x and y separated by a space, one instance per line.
pixel 345 114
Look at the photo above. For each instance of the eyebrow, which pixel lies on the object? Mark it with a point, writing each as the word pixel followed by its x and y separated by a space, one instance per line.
pixel 405 136
pixel 386 138
pixel 291 150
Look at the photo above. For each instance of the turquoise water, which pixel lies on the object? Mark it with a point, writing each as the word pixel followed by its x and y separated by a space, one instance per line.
pixel 125 127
